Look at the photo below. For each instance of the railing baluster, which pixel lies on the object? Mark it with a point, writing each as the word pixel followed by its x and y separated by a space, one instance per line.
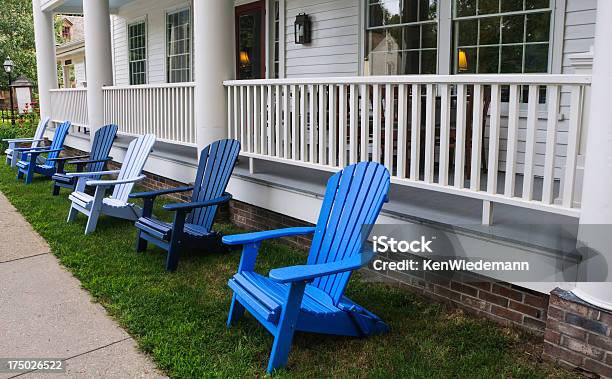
pixel 430 135
pixel 286 119
pixel 415 133
pixel 572 146
pixel 270 125
pixel 249 122
pixel 476 138
pixel 353 129
pixel 492 169
pixel 262 119
pixel 377 124
pixel 294 123
pixel 389 118
pixel 303 95
pixel 277 121
pixel 365 121
pixel 532 120
pixel 402 127
pixel 460 134
pixel 445 110
pixel 312 123
pixel 551 142
pixel 513 123
pixel 322 122
pixel 342 134
pixel 332 125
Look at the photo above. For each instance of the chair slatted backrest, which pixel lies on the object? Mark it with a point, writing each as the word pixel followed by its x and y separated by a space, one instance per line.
pixel 40 131
pixel 61 131
pixel 353 200
pixel 216 164
pixel 137 153
pixel 100 148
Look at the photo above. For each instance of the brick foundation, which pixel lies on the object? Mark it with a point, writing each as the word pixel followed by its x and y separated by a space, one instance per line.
pixel 578 335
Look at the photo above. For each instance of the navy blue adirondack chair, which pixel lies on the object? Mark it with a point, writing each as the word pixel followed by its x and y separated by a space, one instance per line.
pixel 28 165
pixel 192 225
pixel 310 298
pixel 93 162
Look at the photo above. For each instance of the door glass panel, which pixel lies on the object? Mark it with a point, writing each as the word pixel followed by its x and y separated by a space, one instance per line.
pixel 249 45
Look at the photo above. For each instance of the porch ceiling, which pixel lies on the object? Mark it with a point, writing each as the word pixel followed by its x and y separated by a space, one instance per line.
pixel 76 6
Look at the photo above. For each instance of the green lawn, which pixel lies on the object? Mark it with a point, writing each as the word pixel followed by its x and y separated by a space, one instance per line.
pixel 179 318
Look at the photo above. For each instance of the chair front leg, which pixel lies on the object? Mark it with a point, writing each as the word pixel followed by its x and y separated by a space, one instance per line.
pixel 96 209
pixel 176 240
pixel 286 326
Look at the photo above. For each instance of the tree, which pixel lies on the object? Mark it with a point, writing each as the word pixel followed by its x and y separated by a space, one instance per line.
pixel 17 38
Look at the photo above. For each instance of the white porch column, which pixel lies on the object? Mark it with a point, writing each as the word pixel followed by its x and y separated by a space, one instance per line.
pixel 44 39
pixel 98 61
pixel 596 196
pixel 213 35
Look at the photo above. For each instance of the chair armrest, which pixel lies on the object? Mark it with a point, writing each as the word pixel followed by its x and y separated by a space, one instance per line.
pixel 65 159
pixel 38 152
pixel 150 194
pixel 310 272
pixel 20 140
pixel 79 174
pixel 186 207
pixel 247 238
pixel 26 149
pixel 107 183
pixel 86 161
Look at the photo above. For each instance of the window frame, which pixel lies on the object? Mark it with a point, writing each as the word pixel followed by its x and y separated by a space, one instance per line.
pixel 131 22
pixel 365 28
pixel 445 36
pixel 169 11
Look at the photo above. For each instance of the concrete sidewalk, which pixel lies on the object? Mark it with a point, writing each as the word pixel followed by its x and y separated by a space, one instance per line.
pixel 44 312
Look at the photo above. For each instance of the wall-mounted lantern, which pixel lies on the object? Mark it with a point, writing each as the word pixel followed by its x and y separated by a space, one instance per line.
pixel 302 29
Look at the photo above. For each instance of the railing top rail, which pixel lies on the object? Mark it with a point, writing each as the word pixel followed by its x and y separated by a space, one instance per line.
pixel 68 90
pixel 525 79
pixel 148 86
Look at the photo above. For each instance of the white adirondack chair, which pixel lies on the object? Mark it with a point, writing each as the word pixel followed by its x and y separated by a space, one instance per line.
pixel 12 156
pixel 117 204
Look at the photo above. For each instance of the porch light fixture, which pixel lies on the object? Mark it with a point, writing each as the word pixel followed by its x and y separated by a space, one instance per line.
pixel 302 29
pixel 463 63
pixel 8 68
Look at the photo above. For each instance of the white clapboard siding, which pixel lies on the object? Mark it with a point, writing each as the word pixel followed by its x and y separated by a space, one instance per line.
pixel 422 129
pixel 334 50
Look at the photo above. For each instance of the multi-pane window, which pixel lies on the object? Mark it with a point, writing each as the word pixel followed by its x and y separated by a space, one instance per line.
pixel 276 22
pixel 137 46
pixel 501 36
pixel 402 37
pixel 178 46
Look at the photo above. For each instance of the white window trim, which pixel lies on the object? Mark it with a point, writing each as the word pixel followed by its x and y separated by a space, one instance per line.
pixel 175 9
pixel 127 45
pixel 445 29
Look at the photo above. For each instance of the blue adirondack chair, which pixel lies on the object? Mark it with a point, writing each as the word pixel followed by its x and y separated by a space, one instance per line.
pixel 34 142
pixel 117 204
pixel 28 164
pixel 192 226
pixel 310 298
pixel 93 162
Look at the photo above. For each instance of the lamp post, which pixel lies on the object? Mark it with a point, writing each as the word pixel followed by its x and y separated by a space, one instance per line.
pixel 8 68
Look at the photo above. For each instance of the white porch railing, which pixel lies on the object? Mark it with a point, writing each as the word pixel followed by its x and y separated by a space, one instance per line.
pixel 509 139
pixel 69 104
pixel 167 110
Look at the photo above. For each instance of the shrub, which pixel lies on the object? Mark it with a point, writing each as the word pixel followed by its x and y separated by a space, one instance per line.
pixel 19 130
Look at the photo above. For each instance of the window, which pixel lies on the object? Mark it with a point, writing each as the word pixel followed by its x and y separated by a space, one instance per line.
pixel 276 23
pixel 66 33
pixel 501 36
pixel 178 46
pixel 137 46
pixel 401 37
